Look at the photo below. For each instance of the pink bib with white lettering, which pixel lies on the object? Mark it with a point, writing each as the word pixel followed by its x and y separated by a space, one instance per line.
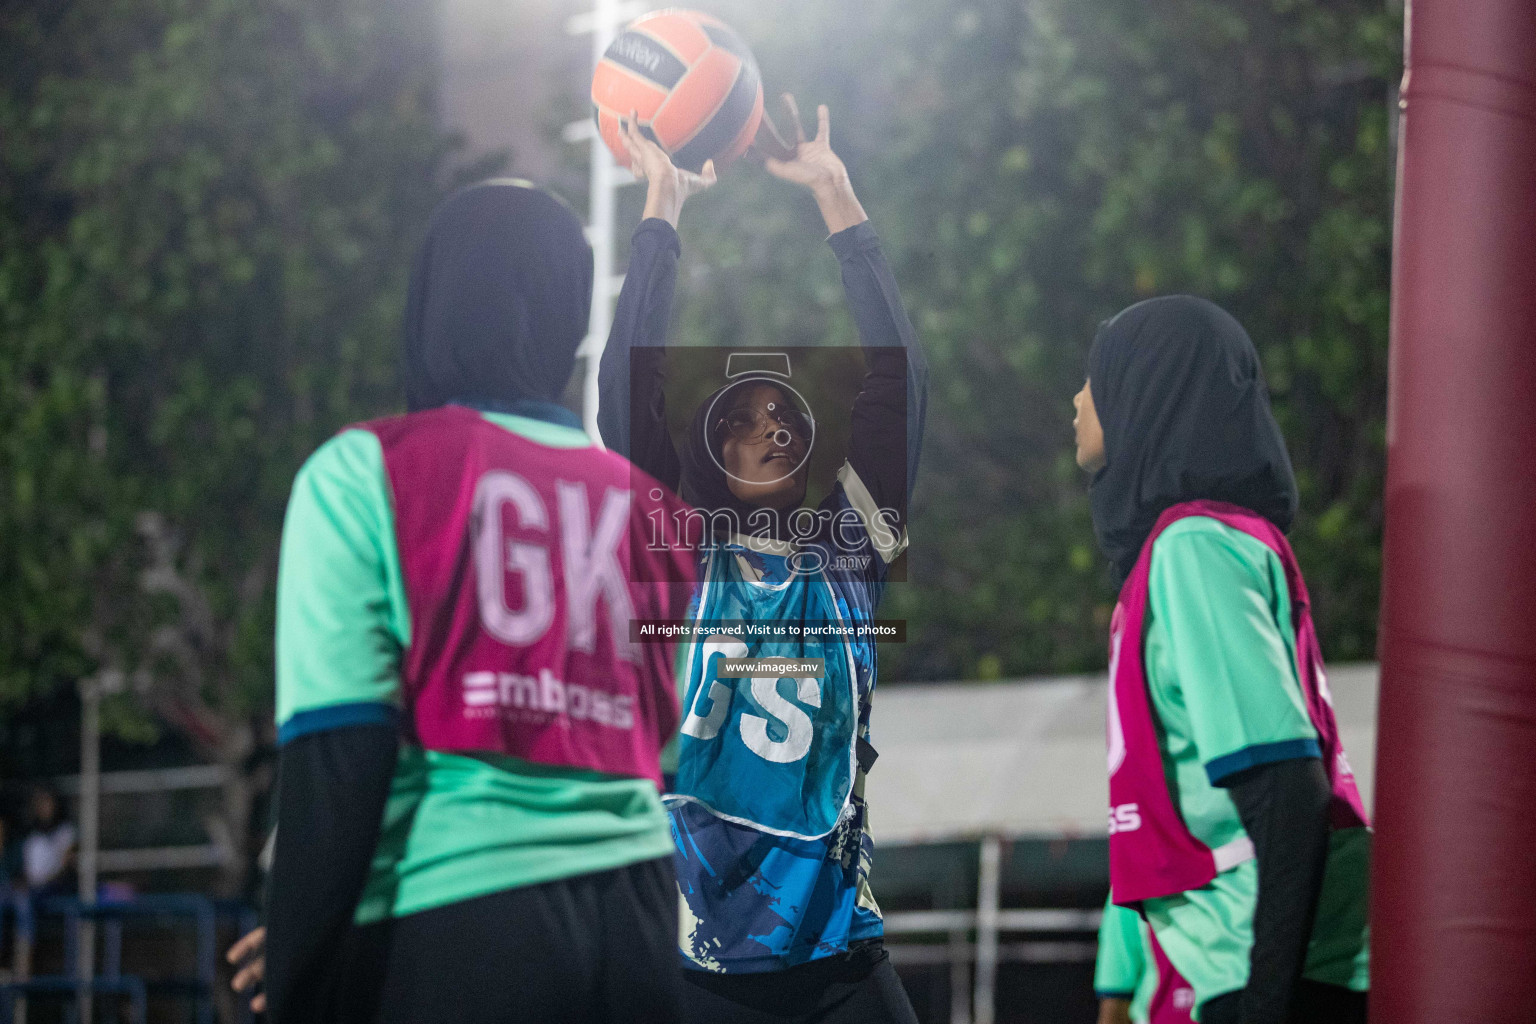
pixel 523 566
pixel 1151 850
pixel 1173 1001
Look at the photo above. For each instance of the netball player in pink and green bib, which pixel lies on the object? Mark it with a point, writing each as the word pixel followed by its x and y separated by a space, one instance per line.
pixel 1134 981
pixel 469 827
pixel 1235 825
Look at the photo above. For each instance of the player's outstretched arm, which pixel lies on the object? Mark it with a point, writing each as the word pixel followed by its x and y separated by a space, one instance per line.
pixel 816 167
pixel 889 412
pixel 631 410
pixel 667 187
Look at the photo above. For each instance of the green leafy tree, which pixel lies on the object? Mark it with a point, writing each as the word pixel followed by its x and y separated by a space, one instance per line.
pixel 1034 168
pixel 207 207
pixel 206 215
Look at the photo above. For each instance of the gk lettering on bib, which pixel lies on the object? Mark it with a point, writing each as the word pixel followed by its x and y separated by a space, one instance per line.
pixel 523 566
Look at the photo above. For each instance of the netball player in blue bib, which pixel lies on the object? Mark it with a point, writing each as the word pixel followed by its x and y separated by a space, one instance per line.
pixel 772 850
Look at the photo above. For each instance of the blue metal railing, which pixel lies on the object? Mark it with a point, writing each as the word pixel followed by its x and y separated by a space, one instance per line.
pixel 127 985
pixel 105 976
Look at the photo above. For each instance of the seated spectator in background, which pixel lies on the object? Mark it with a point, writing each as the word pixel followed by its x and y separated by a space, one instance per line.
pixel 48 852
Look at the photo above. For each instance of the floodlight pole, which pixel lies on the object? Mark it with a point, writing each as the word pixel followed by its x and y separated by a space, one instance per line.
pixel 89 813
pixel 605 179
pixel 1453 914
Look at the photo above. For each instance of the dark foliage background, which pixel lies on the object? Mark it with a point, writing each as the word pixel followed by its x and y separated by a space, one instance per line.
pixel 207 209
pixel 206 213
pixel 1034 168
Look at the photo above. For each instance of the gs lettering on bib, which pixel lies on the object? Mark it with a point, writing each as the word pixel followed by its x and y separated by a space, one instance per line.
pixel 523 566
pixel 774 753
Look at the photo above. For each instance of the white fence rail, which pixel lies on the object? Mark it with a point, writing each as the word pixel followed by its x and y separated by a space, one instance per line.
pixel 157 780
pixel 989 921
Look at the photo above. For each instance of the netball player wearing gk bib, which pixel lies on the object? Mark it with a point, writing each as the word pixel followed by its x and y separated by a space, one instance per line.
pixel 469 823
pixel 1235 825
pixel 768 818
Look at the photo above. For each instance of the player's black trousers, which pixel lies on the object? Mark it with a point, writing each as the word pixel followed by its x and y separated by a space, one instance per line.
pixel 1312 1002
pixel 593 949
pixel 857 987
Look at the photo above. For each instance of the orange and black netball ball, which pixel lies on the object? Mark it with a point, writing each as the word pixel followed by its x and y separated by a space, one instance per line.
pixel 690 79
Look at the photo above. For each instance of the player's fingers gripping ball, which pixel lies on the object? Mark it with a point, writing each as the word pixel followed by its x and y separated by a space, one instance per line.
pixel 690 80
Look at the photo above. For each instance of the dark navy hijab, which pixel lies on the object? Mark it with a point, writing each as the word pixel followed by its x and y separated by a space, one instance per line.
pixel 499 298
pixel 1179 391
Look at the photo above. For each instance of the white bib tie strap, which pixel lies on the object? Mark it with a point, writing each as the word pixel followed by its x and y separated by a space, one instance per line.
pixel 1230 855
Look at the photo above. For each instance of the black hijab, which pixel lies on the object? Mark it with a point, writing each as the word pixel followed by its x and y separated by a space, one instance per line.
pixel 1181 396
pixel 499 298
pixel 705 484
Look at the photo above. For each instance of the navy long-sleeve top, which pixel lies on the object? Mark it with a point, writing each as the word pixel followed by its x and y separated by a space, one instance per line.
pixel 772 853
